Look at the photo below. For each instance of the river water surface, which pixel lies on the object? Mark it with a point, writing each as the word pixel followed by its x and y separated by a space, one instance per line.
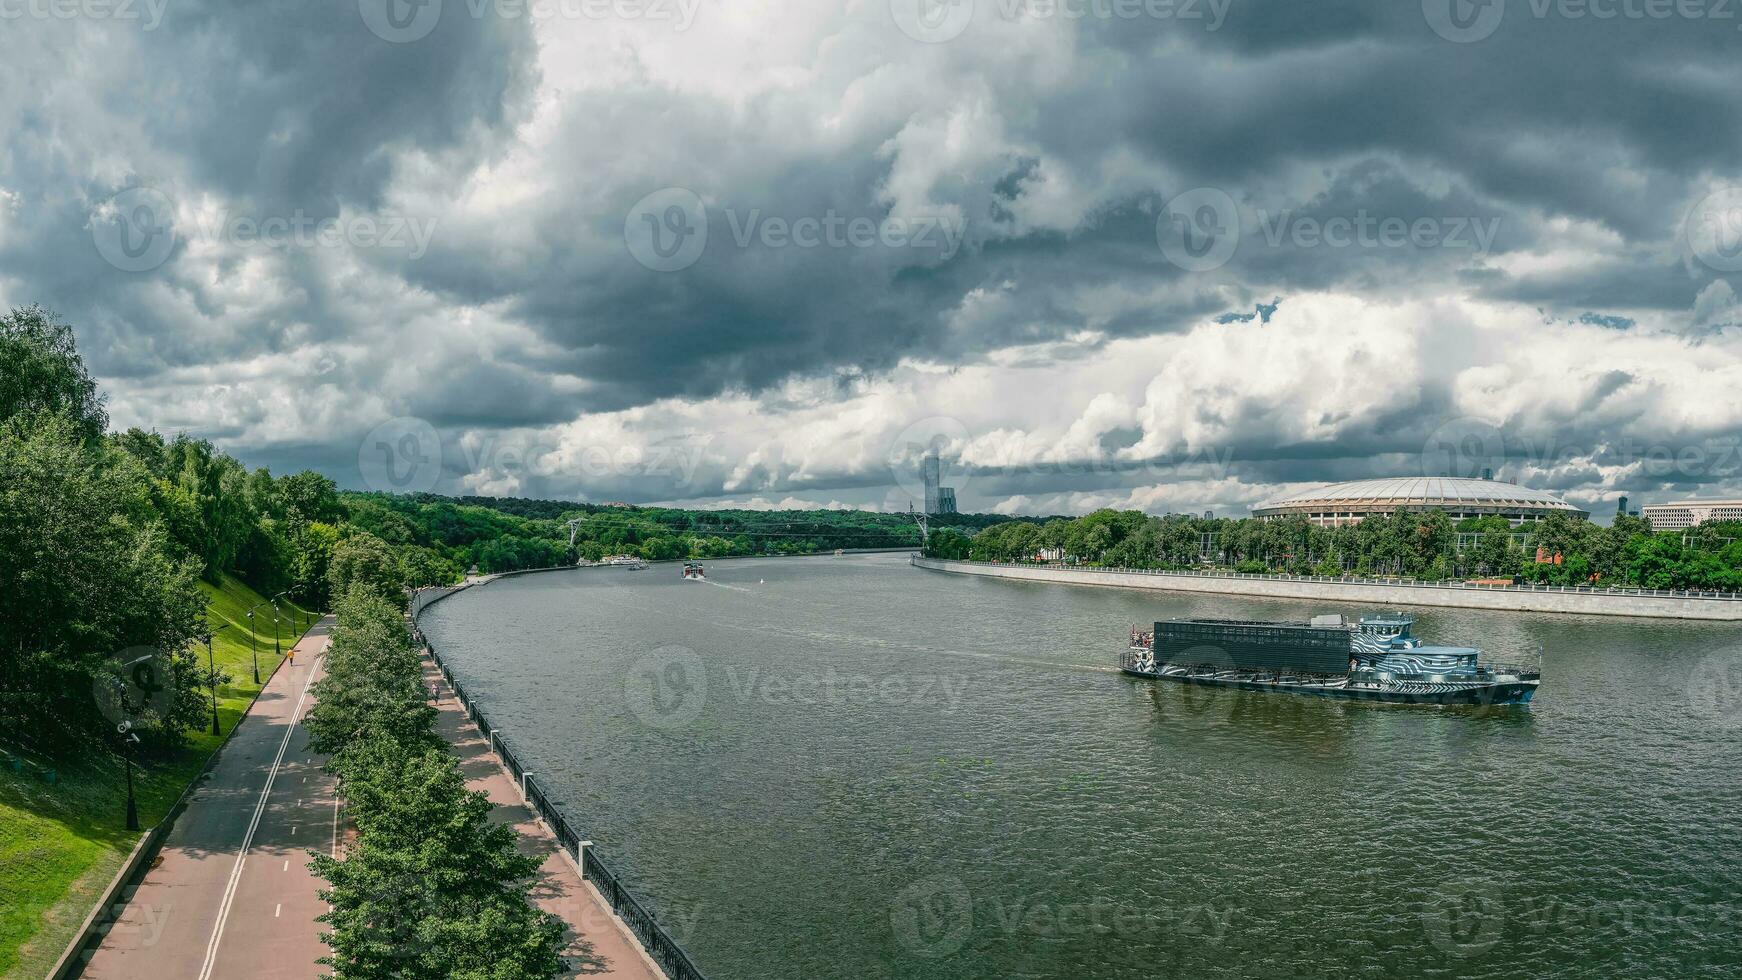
pixel 848 767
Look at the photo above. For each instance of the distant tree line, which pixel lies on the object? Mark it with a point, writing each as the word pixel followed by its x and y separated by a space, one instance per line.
pixel 503 535
pixel 1426 545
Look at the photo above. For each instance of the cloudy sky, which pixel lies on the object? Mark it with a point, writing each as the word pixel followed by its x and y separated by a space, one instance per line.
pixel 1165 254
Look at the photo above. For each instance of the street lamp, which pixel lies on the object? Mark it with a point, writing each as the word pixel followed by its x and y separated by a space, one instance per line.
pixel 254 648
pixel 212 676
pixel 128 740
pixel 275 650
pixel 253 640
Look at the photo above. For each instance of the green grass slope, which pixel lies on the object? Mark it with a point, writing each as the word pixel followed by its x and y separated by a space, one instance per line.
pixel 62 821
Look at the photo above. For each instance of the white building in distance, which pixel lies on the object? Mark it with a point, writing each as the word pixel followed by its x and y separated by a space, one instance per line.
pixel 1682 514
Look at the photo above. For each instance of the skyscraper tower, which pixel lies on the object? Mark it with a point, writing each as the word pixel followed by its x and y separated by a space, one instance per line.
pixel 931 473
pixel 938 499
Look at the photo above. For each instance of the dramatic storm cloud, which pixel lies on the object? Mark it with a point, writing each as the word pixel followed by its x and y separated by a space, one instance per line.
pixel 1167 254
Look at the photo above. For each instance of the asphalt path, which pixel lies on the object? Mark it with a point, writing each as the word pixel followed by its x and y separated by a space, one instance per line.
pixel 230 896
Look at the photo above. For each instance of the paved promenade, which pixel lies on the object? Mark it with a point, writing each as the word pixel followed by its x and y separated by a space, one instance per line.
pixel 230 896
pixel 599 944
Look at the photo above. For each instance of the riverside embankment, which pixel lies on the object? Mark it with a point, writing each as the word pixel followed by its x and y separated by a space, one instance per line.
pixel 1550 599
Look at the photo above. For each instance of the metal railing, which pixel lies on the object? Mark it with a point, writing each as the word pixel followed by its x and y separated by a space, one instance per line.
pixel 659 944
pixel 1341 580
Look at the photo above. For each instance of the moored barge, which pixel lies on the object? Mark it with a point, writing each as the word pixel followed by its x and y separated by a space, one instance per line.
pixel 1375 659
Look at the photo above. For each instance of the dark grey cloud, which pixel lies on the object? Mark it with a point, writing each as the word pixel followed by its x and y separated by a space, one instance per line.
pixel 1562 153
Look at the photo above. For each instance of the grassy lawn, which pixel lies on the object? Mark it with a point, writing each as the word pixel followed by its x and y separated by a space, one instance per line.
pixel 62 821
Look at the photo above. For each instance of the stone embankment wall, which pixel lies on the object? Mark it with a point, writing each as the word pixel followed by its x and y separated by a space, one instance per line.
pixel 1590 602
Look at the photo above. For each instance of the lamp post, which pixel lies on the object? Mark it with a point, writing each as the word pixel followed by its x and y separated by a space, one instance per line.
pixel 128 740
pixel 253 640
pixel 254 648
pixel 212 676
pixel 275 650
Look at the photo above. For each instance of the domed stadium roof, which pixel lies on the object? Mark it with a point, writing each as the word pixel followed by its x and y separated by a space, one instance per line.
pixel 1416 493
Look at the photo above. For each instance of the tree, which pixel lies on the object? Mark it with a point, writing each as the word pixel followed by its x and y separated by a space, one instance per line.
pixel 431 888
pixel 372 692
pixel 948 544
pixel 41 373
pixel 86 572
pixel 363 561
pixel 312 549
pixel 310 497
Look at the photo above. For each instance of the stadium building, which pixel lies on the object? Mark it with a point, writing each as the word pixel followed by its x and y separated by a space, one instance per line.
pixel 1349 503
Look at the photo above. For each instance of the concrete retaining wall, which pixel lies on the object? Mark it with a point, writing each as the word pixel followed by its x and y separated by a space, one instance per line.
pixel 1523 599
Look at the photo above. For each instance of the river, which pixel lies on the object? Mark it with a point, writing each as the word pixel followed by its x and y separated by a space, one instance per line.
pixel 847 767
